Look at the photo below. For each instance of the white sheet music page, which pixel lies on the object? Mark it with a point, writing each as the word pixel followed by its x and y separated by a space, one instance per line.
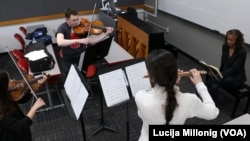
pixel 114 87
pixel 72 80
pixel 76 91
pixel 135 74
pixel 115 57
pixel 36 55
pixel 79 101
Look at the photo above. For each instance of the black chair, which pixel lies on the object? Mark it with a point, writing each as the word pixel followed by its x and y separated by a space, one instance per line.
pixel 131 11
pixel 239 93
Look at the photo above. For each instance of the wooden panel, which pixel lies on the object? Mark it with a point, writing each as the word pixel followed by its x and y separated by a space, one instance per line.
pixel 139 34
pixel 132 39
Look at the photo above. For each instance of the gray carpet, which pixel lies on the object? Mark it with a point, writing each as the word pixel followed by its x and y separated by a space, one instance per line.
pixel 59 125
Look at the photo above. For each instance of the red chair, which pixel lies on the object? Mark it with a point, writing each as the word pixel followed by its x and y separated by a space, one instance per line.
pixel 23 30
pixel 91 71
pixel 23 64
pixel 90 76
pixel 21 40
pixel 17 54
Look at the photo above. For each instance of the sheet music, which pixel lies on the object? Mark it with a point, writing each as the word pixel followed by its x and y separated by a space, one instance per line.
pixel 135 74
pixel 114 57
pixel 114 87
pixel 36 55
pixel 79 100
pixel 76 91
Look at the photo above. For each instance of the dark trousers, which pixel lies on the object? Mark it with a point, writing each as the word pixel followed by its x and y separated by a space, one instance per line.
pixel 67 64
pixel 214 84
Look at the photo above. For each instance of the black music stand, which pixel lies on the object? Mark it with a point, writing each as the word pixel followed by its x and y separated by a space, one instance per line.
pixel 73 93
pixel 121 79
pixel 127 109
pixel 71 113
pixel 95 53
pixel 103 125
pixel 91 55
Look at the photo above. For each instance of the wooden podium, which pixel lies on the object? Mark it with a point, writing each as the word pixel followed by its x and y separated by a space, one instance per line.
pixel 138 37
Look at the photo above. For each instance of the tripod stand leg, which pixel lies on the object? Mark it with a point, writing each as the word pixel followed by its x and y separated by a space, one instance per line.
pixel 83 128
pixel 103 126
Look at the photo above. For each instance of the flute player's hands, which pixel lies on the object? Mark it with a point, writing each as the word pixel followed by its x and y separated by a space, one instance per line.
pixel 178 76
pixel 195 76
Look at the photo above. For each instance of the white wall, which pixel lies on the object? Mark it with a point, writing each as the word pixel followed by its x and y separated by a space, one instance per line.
pixel 218 15
pixel 7 32
pixel 199 42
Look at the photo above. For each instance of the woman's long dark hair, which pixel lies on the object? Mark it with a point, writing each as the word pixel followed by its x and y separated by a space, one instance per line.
pixel 239 37
pixel 162 70
pixel 6 105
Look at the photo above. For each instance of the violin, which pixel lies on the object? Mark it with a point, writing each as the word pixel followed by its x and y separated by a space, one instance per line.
pixel 95 28
pixel 19 87
pixel 15 87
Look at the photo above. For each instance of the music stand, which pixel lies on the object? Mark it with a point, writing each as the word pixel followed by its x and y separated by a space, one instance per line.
pixel 94 53
pixel 75 95
pixel 103 125
pixel 121 82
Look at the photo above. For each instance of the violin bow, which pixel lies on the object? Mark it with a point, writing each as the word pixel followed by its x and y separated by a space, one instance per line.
pixel 92 19
pixel 25 80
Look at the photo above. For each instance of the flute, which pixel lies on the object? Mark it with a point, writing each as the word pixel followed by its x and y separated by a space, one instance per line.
pixel 185 73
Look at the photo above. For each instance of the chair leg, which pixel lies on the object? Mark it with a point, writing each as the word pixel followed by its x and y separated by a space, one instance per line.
pixel 236 103
pixel 248 102
pixel 59 93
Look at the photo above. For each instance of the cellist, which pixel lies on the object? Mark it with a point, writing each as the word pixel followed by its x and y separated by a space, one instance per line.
pixel 14 124
pixel 72 45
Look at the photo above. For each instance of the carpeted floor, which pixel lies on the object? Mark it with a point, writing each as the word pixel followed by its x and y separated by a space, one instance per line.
pixel 59 125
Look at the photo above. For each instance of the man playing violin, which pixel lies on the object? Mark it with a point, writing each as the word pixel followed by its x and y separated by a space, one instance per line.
pixel 14 125
pixel 73 44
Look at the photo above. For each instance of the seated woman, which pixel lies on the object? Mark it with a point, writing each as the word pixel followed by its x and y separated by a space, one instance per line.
pixel 232 66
